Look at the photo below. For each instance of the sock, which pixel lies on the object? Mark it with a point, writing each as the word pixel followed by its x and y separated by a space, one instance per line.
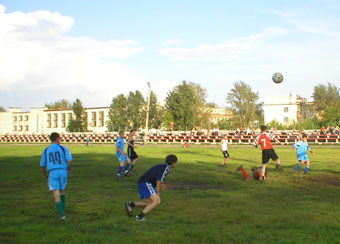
pixel 132 166
pixel 127 167
pixel 132 204
pixel 244 173
pixel 298 167
pixel 63 199
pixel 141 214
pixel 60 208
pixel 120 169
pixel 306 169
pixel 258 174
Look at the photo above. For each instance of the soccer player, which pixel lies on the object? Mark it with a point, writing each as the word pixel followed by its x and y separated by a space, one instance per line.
pixel 301 148
pixel 149 186
pixel 268 152
pixel 122 156
pixel 257 173
pixel 131 149
pixel 58 160
pixel 224 149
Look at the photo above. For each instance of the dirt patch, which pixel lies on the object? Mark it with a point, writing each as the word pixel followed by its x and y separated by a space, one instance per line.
pixel 326 179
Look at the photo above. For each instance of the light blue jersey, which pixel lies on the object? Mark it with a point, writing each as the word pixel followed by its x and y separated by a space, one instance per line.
pixel 55 157
pixel 120 144
pixel 302 148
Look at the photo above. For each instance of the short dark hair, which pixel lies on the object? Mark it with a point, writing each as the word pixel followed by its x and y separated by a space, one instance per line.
pixel 263 128
pixel 54 136
pixel 120 132
pixel 170 159
pixel 132 130
pixel 304 135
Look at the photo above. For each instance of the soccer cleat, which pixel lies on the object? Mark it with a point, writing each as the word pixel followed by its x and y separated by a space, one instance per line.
pixel 132 168
pixel 127 174
pixel 278 167
pixel 63 218
pixel 239 168
pixel 119 176
pixel 140 218
pixel 128 208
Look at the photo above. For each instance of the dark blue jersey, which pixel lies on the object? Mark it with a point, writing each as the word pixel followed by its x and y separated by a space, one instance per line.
pixel 154 174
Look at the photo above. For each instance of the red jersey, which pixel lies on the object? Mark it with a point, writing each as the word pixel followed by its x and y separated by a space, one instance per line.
pixel 265 140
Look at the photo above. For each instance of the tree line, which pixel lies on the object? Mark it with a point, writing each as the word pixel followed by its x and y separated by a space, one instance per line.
pixel 185 107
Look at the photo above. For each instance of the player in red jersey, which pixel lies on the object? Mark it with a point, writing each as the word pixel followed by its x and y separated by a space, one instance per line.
pixel 268 152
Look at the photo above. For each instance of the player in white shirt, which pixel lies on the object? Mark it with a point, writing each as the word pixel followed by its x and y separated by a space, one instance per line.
pixel 224 149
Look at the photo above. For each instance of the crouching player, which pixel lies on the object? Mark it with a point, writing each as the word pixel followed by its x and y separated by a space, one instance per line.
pixel 149 186
pixel 57 159
pixel 301 148
pixel 257 173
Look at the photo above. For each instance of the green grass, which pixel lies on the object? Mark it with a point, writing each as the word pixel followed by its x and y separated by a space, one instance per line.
pixel 204 203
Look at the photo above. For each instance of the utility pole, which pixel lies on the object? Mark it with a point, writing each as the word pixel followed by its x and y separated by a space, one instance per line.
pixel 147 116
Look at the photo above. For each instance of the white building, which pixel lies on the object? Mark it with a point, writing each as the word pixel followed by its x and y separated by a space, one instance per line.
pixel 283 109
pixel 46 121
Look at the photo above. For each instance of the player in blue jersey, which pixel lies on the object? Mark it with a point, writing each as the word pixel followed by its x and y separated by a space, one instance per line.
pixel 55 163
pixel 301 148
pixel 122 156
pixel 149 186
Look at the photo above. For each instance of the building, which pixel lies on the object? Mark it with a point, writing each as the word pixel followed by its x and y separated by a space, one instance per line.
pixel 46 121
pixel 217 114
pixel 286 109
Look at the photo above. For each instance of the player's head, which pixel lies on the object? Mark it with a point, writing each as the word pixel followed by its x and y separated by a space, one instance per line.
pixel 171 160
pixel 264 128
pixel 121 133
pixel 225 136
pixel 55 137
pixel 304 137
pixel 132 131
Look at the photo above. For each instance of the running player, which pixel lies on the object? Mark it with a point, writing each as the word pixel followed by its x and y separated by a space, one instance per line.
pixel 58 160
pixel 149 186
pixel 131 149
pixel 257 173
pixel 268 152
pixel 301 148
pixel 122 156
pixel 224 150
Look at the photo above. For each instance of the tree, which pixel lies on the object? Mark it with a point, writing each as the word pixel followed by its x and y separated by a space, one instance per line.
pixel 243 103
pixel 60 104
pixel 181 104
pixel 156 112
pixel 136 109
pixel 327 103
pixel 118 116
pixel 79 122
pixel 2 109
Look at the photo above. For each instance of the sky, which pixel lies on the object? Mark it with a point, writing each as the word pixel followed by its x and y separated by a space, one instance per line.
pixel 96 49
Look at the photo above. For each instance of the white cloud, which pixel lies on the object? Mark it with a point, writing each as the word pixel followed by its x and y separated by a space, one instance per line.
pixel 226 51
pixel 35 51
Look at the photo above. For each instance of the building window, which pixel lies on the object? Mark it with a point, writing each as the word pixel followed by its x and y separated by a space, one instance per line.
pixel 26 117
pixel 20 118
pixel 55 120
pixel 101 118
pixel 69 117
pixel 15 118
pixel 63 120
pixel 94 119
pixel 286 119
pixel 26 127
pixel 15 128
pixel 49 121
pixel 20 127
pixel 286 109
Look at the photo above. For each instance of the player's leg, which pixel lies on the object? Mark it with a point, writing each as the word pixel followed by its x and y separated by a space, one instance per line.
pixel 244 172
pixel 274 157
pixel 307 166
pixel 265 160
pixel 127 167
pixel 301 162
pixel 55 187
pixel 121 160
pixel 151 203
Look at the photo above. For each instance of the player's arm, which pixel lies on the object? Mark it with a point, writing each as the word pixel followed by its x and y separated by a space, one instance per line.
pixel 309 149
pixel 69 163
pixel 255 142
pixel 158 187
pixel 220 146
pixel 118 149
pixel 278 141
pixel 44 171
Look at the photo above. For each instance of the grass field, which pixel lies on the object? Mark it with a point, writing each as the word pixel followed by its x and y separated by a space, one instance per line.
pixel 204 203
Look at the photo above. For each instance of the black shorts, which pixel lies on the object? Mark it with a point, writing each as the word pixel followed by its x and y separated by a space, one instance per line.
pixel 268 154
pixel 226 154
pixel 132 153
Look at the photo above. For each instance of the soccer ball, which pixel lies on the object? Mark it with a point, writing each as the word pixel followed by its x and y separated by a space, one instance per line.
pixel 277 78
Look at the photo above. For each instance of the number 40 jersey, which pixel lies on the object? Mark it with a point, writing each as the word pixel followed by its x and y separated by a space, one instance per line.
pixel 55 157
pixel 264 140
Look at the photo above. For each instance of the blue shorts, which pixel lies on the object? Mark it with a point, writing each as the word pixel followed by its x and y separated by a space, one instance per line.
pixel 146 190
pixel 57 179
pixel 303 158
pixel 122 158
